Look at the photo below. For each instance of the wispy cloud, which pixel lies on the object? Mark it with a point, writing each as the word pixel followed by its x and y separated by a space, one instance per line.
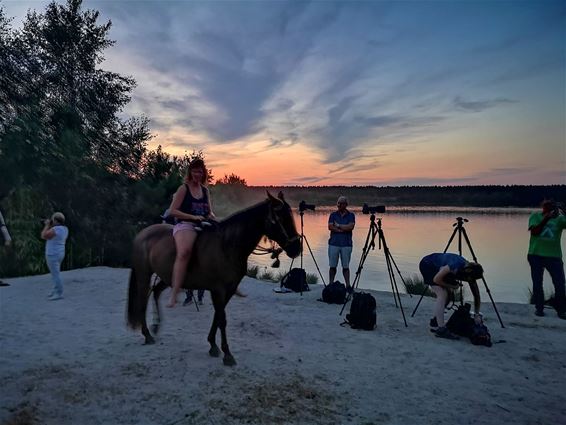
pixel 480 105
pixel 382 78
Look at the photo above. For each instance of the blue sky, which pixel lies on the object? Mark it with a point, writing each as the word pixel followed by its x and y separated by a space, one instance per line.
pixel 374 92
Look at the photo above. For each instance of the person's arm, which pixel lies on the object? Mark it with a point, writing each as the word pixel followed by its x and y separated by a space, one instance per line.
pixel 210 213
pixel 48 231
pixel 538 228
pixel 441 275
pixel 348 227
pixel 331 225
pixel 176 204
pixel 476 294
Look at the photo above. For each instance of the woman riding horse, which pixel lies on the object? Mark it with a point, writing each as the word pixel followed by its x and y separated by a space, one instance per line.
pixel 218 262
pixel 190 206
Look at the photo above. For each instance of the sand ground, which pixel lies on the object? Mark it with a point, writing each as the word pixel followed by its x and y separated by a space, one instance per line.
pixel 74 361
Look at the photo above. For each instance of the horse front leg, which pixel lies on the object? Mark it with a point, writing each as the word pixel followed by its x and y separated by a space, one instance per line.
pixel 228 357
pixel 219 300
pixel 214 350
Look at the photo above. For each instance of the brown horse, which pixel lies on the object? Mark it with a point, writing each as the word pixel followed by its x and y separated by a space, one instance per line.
pixel 218 262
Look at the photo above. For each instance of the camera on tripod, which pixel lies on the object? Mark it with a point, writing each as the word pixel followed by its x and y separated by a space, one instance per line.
pixel 366 209
pixel 304 206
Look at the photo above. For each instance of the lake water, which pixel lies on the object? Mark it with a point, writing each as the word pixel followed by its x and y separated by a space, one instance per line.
pixel 499 238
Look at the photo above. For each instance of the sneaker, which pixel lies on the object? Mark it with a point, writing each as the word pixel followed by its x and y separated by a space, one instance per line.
pixel 55 297
pixel 539 313
pixel 443 332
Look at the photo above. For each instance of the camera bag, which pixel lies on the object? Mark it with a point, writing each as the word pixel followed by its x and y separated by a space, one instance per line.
pixel 294 279
pixel 480 335
pixel 460 323
pixel 362 312
pixel 334 293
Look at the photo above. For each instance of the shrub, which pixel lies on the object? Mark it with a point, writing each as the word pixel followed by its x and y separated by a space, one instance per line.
pixel 312 279
pixel 252 271
pixel 415 285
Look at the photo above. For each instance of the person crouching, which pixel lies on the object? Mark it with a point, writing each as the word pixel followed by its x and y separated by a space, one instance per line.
pixel 442 271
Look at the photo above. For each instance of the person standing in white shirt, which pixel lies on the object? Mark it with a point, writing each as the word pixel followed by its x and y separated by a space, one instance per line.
pixel 55 234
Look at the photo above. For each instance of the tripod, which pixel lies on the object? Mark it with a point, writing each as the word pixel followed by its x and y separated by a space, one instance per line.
pixel 303 240
pixel 460 230
pixel 376 229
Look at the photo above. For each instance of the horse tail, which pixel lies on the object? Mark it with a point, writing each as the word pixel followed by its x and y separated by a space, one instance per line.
pixel 135 307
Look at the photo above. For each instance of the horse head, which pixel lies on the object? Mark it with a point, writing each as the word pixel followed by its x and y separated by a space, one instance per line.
pixel 280 225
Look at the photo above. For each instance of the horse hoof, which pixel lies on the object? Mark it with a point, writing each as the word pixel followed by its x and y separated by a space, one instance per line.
pixel 214 352
pixel 149 341
pixel 154 329
pixel 229 361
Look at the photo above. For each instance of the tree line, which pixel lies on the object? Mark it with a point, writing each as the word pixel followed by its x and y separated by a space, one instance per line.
pixel 454 196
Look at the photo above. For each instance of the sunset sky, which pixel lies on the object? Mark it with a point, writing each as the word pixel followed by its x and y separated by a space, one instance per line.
pixel 349 93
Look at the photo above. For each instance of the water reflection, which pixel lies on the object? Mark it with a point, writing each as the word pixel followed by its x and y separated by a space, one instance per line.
pixel 499 239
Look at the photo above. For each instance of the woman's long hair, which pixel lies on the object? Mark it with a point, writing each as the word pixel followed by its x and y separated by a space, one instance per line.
pixel 197 163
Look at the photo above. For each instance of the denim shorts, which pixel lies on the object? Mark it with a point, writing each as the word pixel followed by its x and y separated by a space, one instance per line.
pixel 428 270
pixel 344 252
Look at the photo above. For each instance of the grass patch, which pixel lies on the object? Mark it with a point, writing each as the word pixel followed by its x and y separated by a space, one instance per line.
pixel 252 271
pixel 312 279
pixel 267 275
pixel 415 285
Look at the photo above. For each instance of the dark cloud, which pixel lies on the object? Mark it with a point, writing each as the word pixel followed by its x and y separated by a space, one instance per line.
pixel 288 140
pixel 480 105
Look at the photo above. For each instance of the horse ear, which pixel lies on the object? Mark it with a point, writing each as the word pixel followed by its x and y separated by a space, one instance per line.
pixel 280 196
pixel 271 197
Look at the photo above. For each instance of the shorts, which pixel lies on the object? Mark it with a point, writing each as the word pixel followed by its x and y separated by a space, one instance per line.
pixel 344 252
pixel 183 225
pixel 428 270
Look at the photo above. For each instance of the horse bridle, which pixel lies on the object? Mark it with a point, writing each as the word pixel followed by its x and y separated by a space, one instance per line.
pixel 276 221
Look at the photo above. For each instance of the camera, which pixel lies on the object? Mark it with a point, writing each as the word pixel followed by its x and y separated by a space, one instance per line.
pixel 555 208
pixel 304 206
pixel 43 221
pixel 366 209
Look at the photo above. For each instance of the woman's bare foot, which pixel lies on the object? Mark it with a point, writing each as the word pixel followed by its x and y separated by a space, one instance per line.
pixel 240 294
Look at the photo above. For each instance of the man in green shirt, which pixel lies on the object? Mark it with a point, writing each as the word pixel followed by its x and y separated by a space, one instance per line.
pixel 545 253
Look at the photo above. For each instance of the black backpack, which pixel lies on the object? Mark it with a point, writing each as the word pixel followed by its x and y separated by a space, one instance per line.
pixel 460 323
pixel 334 293
pixel 294 279
pixel 362 312
pixel 480 335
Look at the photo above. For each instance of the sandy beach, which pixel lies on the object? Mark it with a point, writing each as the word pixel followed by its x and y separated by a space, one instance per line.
pixel 75 361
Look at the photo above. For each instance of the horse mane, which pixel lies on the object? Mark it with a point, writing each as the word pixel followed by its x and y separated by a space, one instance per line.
pixel 241 214
pixel 230 225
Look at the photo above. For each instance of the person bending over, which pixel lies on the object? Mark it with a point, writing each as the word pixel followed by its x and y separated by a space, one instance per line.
pixel 442 271
pixel 190 206
pixel 340 223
